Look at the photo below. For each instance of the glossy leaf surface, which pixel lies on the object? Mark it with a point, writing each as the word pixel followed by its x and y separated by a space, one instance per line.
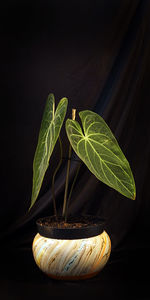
pixel 99 150
pixel 52 122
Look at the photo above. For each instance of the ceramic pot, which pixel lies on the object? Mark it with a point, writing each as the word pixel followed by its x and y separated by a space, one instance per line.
pixel 71 253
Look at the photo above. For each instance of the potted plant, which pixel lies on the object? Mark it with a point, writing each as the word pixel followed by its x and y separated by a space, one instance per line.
pixel 76 247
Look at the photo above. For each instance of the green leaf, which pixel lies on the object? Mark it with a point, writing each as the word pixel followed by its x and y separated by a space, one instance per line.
pixel 99 150
pixel 49 132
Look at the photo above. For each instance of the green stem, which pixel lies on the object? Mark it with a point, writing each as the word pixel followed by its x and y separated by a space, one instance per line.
pixel 68 170
pixel 74 181
pixel 67 182
pixel 53 179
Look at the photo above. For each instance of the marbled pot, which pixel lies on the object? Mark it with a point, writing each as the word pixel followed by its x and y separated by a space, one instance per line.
pixel 72 254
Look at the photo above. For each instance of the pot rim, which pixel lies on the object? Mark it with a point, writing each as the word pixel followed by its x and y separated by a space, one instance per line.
pixel 95 228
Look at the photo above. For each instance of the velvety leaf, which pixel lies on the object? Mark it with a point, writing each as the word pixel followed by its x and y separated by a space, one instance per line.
pixel 49 132
pixel 99 150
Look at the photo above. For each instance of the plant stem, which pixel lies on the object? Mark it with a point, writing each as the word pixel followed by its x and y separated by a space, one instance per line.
pixel 74 181
pixel 67 182
pixel 53 179
pixel 68 170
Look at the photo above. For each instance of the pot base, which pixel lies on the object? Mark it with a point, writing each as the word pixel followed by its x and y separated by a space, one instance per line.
pixel 80 277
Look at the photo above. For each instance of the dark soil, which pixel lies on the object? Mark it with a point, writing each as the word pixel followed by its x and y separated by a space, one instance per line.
pixel 72 222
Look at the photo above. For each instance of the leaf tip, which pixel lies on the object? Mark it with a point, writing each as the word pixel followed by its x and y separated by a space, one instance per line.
pixel 134 196
pixel 64 99
pixel 30 207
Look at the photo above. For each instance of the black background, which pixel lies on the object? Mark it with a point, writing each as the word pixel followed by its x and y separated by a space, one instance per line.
pixel 96 53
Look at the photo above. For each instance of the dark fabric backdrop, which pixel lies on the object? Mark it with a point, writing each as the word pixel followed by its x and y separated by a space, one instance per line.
pixel 96 53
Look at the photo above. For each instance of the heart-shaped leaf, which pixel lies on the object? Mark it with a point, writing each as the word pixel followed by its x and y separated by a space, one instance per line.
pixel 49 132
pixel 99 150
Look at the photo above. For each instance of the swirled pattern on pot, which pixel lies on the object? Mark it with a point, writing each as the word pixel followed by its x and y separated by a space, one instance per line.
pixel 71 259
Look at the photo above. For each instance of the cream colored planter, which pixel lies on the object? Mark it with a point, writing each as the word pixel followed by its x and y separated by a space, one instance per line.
pixel 71 259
